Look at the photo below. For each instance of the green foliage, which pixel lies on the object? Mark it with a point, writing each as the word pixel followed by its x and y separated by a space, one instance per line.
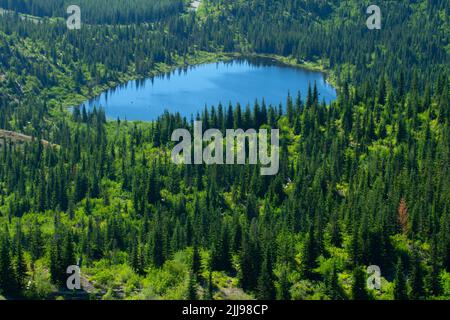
pixel 100 11
pixel 362 181
pixel 400 292
pixel 359 285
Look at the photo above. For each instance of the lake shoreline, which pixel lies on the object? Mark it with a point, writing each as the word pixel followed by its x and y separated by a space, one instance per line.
pixel 292 62
pixel 200 58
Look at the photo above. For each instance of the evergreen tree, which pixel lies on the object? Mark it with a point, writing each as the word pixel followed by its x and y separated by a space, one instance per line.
pixel 283 288
pixel 191 293
pixel 8 278
pixel 266 289
pixel 20 268
pixel 400 290
pixel 416 279
pixel 333 288
pixel 196 263
pixel 359 284
pixel 310 255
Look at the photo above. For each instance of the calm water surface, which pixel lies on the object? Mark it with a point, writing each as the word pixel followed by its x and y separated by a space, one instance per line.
pixel 189 90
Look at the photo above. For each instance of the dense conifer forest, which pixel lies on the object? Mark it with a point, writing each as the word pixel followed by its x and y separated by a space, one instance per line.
pixel 100 11
pixel 363 181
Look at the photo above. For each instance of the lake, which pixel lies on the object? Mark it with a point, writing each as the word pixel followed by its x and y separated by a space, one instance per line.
pixel 189 90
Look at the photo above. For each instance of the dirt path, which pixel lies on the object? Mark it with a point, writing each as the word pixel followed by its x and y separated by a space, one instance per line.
pixel 19 138
pixel 21 15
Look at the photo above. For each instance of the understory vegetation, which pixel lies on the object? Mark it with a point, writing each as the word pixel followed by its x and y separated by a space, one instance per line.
pixel 363 181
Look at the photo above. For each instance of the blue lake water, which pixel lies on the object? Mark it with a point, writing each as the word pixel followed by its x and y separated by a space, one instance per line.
pixel 189 90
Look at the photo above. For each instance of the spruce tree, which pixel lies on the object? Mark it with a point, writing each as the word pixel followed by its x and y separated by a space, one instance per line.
pixel 196 263
pixel 283 288
pixel 8 285
pixel 400 290
pixel 266 290
pixel 20 268
pixel 191 293
pixel 310 255
pixel 416 280
pixel 332 286
pixel 359 284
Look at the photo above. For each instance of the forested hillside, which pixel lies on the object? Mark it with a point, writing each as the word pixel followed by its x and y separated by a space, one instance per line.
pixel 363 181
pixel 100 11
